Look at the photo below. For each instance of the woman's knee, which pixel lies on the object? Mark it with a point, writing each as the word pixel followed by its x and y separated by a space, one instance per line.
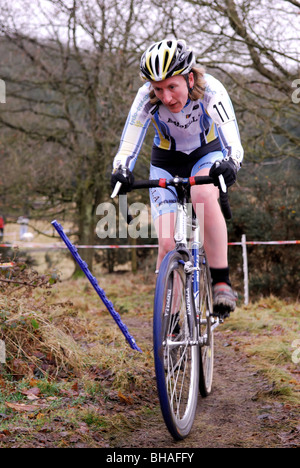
pixel 206 194
pixel 165 245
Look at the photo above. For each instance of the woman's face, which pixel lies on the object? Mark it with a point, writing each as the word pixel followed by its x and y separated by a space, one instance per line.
pixel 173 92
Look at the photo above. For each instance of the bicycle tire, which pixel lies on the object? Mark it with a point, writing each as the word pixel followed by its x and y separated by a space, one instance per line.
pixel 205 320
pixel 176 365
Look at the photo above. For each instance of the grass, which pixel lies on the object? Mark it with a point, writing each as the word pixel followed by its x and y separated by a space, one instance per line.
pixel 266 332
pixel 72 380
pixel 66 348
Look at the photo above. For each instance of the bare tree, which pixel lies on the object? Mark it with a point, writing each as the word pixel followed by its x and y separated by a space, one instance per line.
pixel 254 47
pixel 71 72
pixel 71 69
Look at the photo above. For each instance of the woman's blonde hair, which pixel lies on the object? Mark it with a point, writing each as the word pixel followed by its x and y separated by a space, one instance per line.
pixel 198 90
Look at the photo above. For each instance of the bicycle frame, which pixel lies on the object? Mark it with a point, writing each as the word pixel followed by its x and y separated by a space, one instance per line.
pixel 183 220
pixel 196 258
pixel 182 330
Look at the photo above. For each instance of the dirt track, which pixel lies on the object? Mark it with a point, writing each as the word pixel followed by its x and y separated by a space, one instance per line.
pixel 238 413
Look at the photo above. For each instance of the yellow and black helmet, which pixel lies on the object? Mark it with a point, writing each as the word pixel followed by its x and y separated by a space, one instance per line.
pixel 166 58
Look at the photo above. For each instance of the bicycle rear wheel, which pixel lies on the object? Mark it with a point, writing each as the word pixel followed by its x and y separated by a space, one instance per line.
pixel 176 351
pixel 205 326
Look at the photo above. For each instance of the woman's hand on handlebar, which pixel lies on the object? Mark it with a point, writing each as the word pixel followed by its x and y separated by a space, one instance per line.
pixel 123 176
pixel 227 168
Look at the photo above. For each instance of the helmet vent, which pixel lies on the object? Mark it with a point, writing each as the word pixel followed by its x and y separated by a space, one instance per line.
pixel 149 65
pixel 157 65
pixel 166 59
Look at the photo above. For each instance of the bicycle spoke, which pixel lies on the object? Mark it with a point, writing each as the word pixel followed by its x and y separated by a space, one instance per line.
pixel 173 376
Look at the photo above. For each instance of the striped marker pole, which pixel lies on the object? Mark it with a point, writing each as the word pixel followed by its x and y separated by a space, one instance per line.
pixel 96 286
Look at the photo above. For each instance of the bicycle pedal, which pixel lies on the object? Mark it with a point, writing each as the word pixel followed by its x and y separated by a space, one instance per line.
pixel 216 320
pixel 221 311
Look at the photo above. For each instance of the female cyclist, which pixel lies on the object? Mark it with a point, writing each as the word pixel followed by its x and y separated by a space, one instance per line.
pixel 195 126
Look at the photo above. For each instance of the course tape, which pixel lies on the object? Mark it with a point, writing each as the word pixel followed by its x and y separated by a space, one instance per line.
pixel 31 245
pixel 266 242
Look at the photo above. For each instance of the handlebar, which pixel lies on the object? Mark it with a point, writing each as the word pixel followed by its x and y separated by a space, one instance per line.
pixel 184 182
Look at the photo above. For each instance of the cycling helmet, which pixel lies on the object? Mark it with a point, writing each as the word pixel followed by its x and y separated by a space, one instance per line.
pixel 166 58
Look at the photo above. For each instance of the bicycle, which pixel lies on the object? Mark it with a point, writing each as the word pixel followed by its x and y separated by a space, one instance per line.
pixel 183 322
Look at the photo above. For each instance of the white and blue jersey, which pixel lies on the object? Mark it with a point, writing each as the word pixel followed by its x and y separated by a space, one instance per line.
pixel 198 124
pixel 186 142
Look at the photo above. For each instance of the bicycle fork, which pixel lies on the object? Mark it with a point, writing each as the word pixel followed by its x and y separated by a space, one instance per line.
pixel 199 265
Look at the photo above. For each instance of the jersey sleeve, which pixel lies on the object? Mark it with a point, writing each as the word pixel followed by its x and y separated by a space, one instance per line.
pixel 135 129
pixel 219 107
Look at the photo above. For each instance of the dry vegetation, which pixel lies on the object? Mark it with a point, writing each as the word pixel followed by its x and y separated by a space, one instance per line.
pixel 71 380
pixel 68 368
pixel 268 333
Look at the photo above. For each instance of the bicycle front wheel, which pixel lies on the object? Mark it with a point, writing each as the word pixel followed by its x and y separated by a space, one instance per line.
pixel 176 350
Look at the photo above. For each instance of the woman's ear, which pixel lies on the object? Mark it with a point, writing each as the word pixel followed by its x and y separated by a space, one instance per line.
pixel 191 80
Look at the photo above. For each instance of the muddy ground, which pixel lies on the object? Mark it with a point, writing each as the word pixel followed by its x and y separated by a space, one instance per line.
pixel 241 411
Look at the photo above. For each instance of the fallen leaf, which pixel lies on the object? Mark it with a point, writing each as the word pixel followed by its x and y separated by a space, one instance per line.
pixel 32 393
pixel 32 397
pixel 294 382
pixel 21 407
pixel 75 387
pixel 2 382
pixel 33 382
pixel 125 399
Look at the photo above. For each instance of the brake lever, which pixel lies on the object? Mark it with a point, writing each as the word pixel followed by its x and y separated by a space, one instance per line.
pixel 116 190
pixel 223 186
